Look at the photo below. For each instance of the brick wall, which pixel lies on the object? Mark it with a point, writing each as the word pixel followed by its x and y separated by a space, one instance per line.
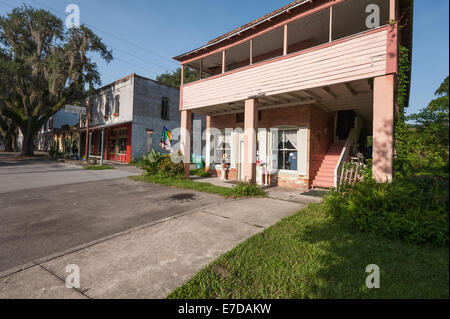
pixel 293 115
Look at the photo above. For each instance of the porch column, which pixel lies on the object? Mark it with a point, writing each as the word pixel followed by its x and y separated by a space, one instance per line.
pixel 208 145
pixel 383 128
pixel 250 128
pixel 129 141
pixel 186 127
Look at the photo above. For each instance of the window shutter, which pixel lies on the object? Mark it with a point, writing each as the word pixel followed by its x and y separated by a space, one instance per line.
pixel 262 143
pixel 217 139
pixel 233 144
pixel 302 151
pixel 274 151
pixel 208 159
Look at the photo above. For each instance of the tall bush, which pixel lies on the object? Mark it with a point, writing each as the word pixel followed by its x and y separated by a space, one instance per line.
pixel 158 163
pixel 415 208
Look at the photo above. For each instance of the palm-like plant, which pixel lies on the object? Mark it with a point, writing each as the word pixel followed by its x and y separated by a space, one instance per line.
pixel 151 161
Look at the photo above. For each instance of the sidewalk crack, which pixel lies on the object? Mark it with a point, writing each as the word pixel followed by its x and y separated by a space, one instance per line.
pixel 225 217
pixel 62 279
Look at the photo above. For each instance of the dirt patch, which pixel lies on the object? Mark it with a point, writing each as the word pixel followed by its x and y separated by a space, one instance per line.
pixel 222 270
pixel 183 197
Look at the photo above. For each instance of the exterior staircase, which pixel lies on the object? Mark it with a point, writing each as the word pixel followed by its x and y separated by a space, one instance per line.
pixel 325 175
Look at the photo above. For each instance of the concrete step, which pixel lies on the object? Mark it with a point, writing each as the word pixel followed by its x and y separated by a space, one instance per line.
pixel 325 174
pixel 328 165
pixel 323 184
pixel 329 162
pixel 324 180
pixel 325 168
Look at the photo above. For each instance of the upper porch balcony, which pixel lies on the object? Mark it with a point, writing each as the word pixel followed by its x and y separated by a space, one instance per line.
pixel 327 43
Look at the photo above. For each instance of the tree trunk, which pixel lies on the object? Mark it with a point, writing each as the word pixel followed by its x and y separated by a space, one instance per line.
pixel 28 141
pixel 9 142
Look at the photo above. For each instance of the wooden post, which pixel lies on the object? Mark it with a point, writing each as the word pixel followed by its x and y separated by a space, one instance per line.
pixel 342 176
pixel 88 117
pixel 224 61
pixel 186 128
pixel 392 9
pixel 182 74
pixel 250 139
pixel 251 51
pixel 285 40
pixel 331 25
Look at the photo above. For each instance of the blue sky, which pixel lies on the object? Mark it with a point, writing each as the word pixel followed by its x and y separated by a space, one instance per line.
pixel 144 34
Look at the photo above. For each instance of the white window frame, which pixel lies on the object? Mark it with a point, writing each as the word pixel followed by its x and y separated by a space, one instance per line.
pixel 302 150
pixel 287 171
pixel 222 135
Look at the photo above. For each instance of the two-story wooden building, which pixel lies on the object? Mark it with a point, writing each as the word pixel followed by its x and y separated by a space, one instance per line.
pixel 294 93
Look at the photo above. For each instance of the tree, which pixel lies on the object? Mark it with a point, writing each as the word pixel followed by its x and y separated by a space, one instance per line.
pixel 432 125
pixel 8 130
pixel 424 143
pixel 173 79
pixel 49 66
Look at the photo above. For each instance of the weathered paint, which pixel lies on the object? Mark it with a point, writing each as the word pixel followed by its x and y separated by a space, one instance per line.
pixel 147 99
pixel 392 50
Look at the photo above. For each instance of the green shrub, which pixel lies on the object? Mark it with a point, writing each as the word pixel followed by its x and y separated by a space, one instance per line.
pixel 54 153
pixel 415 208
pixel 168 168
pixel 248 189
pixel 156 163
pixel 150 162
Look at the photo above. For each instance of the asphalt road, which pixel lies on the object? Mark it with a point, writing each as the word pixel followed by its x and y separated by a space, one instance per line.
pixel 49 207
pixel 18 174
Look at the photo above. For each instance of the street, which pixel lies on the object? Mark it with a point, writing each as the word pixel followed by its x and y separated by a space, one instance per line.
pixel 37 220
pixel 129 239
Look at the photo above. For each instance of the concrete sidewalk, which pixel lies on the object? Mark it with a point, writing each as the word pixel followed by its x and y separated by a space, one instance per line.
pixel 149 261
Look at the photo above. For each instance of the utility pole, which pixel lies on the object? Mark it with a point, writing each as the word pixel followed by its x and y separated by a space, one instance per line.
pixel 88 116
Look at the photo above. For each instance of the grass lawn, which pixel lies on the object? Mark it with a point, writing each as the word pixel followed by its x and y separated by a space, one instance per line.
pixel 200 172
pixel 308 255
pixel 186 183
pixel 98 167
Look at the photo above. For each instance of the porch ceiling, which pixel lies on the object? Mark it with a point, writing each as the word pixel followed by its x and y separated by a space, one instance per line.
pixel 356 95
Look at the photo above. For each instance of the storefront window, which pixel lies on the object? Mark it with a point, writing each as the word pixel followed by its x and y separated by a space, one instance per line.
pixel 287 150
pixel 123 146
pixel 112 146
